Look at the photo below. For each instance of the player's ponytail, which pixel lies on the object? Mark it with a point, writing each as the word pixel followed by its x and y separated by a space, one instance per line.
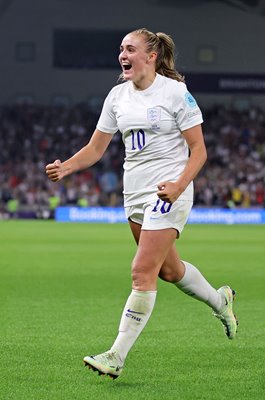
pixel 165 47
pixel 165 63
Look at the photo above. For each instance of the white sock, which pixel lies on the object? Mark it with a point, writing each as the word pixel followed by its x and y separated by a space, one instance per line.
pixel 194 284
pixel 135 315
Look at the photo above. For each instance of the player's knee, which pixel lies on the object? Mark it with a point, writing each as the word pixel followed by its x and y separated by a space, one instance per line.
pixel 139 279
pixel 142 276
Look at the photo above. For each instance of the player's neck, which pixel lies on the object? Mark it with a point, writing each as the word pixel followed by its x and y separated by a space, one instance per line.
pixel 144 82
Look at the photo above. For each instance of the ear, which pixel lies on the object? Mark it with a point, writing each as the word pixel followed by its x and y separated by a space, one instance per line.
pixel 152 57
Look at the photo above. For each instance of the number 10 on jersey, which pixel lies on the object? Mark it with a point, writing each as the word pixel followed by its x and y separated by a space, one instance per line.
pixel 138 139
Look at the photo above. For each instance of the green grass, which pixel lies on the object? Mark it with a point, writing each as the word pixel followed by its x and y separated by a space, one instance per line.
pixel 62 290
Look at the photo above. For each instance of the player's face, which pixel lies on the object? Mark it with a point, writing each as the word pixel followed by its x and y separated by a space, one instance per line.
pixel 137 65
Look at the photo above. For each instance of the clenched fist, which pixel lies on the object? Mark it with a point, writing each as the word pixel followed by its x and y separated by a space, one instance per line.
pixel 55 171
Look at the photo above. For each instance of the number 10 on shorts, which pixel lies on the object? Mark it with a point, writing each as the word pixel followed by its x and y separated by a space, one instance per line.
pixel 162 206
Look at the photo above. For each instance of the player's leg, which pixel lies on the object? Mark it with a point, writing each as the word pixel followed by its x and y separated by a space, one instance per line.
pixel 190 280
pixel 184 275
pixel 152 249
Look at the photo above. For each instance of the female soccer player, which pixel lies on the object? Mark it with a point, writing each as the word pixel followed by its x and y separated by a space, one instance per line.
pixel 160 122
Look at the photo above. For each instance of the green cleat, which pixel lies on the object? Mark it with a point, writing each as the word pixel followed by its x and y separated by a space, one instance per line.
pixel 226 314
pixel 108 363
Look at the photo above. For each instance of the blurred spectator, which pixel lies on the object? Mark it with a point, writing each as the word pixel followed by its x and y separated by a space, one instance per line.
pixel 235 168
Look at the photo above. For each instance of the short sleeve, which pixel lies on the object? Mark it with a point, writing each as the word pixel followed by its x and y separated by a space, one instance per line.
pixel 107 121
pixel 186 109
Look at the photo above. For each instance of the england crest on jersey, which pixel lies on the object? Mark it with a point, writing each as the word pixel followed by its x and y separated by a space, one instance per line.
pixel 154 116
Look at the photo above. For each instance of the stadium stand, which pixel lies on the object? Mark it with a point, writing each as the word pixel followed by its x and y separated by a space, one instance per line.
pixel 32 135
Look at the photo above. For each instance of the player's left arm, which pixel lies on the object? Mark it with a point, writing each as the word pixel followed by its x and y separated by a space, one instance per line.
pixel 170 191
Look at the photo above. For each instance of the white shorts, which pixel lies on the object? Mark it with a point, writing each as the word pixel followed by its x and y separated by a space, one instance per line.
pixel 158 214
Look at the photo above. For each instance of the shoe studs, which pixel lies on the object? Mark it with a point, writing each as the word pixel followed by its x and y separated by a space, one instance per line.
pixel 99 372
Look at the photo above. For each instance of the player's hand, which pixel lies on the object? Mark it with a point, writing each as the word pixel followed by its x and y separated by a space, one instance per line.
pixel 168 191
pixel 55 171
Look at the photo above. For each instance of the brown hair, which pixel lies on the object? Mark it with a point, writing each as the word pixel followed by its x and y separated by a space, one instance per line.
pixel 165 47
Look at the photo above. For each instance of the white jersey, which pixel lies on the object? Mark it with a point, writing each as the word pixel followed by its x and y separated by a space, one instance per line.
pixel 151 122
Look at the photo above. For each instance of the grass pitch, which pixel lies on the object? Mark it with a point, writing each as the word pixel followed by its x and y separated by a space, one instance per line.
pixel 62 291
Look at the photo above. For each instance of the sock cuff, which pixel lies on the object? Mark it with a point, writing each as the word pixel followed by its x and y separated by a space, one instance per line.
pixel 143 292
pixel 183 280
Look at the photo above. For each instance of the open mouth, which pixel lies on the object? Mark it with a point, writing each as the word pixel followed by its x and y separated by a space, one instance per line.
pixel 127 67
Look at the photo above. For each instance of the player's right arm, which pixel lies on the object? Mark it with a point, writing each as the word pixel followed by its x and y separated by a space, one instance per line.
pixel 84 158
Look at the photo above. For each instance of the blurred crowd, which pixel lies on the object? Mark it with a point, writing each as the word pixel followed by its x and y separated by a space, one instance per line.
pixel 234 175
pixel 32 136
